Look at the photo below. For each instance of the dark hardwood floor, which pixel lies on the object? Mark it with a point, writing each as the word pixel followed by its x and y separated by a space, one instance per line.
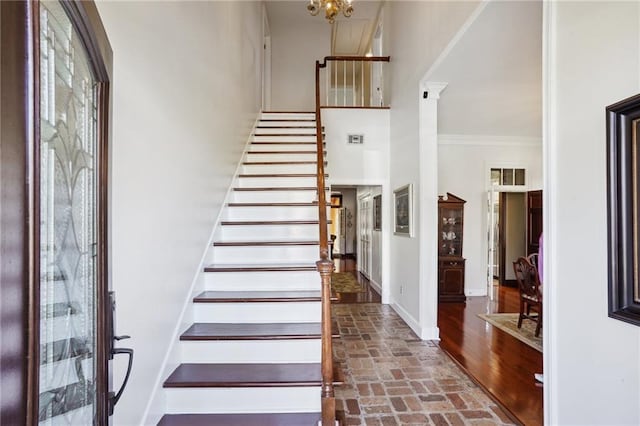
pixel 497 361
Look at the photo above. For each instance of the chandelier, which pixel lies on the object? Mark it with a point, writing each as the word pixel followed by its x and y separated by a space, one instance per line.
pixel 331 8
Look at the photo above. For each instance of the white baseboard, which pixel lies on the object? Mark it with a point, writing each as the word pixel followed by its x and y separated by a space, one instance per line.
pixel 430 333
pixel 377 287
pixel 476 292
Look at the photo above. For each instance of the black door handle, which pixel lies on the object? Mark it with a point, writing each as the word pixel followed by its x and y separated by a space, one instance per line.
pixel 115 397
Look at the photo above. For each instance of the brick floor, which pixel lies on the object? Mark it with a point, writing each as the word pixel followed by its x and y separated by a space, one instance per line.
pixel 394 378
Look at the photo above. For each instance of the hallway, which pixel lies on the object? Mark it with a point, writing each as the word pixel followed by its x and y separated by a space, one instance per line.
pixel 394 378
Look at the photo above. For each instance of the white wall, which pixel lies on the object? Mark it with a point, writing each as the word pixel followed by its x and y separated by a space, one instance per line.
pixel 592 368
pixel 364 165
pixel 356 164
pixel 417 32
pixel 296 45
pixel 185 95
pixel 463 169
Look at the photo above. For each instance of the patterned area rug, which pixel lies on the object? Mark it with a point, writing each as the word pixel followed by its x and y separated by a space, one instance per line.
pixel 345 282
pixel 509 324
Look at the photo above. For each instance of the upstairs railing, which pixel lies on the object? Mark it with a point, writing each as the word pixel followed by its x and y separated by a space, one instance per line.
pixel 353 82
pixel 357 88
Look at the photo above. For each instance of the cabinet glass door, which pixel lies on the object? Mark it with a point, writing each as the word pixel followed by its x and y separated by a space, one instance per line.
pixel 68 223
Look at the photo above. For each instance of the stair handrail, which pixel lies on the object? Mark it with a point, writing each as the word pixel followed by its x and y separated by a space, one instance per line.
pixel 325 264
pixel 325 268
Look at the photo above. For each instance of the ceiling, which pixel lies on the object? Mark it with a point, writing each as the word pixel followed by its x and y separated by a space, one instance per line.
pixel 494 74
pixel 349 36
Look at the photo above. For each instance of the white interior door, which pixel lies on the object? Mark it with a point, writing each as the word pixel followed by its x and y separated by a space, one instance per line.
pixel 493 239
pixel 365 230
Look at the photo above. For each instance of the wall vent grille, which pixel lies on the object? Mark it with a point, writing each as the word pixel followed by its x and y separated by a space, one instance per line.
pixel 356 139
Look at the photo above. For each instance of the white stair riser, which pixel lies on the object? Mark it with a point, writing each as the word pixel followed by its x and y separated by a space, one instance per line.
pixel 280 157
pixel 288 116
pixel 257 281
pixel 284 123
pixel 293 139
pixel 278 168
pixel 274 196
pixel 271 182
pixel 267 232
pixel 272 213
pixel 287 146
pixel 262 312
pixel 243 400
pixel 251 351
pixel 286 131
pixel 264 254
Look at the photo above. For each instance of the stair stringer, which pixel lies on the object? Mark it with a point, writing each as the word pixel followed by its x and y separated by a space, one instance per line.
pixel 156 404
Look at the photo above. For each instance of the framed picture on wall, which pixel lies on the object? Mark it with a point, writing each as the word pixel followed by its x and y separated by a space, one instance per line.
pixel 403 211
pixel 623 199
pixel 377 213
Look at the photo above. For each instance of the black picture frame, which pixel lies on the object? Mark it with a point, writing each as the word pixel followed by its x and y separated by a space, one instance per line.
pixel 377 213
pixel 623 209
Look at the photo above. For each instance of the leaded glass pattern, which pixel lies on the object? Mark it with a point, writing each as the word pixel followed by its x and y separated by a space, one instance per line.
pixel 68 223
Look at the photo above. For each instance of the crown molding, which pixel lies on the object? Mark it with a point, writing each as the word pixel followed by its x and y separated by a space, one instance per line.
pixel 488 140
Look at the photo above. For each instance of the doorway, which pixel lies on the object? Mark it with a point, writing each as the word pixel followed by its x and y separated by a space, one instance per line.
pixel 514 226
pixel 509 231
pixel 266 62
pixel 357 240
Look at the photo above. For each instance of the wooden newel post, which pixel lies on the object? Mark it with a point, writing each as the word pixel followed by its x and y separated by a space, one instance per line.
pixel 325 268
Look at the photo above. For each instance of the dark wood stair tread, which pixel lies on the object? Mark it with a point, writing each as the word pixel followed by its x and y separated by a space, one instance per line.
pixel 313 203
pixel 244 375
pixel 247 375
pixel 288 119
pixel 279 163
pixel 256 296
pixel 254 419
pixel 278 175
pixel 260 267
pixel 283 152
pixel 297 135
pixel 279 188
pixel 272 222
pixel 282 143
pixel 258 331
pixel 265 243
pixel 289 112
pixel 285 127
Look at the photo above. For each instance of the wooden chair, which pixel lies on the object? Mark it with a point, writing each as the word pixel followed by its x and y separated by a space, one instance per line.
pixel 530 294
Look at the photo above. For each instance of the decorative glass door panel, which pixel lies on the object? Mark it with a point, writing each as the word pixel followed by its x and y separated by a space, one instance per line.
pixel 68 223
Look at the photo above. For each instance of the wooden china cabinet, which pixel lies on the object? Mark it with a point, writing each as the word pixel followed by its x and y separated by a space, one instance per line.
pixel 450 260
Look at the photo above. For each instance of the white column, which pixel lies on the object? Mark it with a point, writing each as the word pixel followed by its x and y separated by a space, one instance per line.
pixel 428 202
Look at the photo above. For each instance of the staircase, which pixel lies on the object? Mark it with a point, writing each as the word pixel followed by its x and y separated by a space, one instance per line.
pixel 252 355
